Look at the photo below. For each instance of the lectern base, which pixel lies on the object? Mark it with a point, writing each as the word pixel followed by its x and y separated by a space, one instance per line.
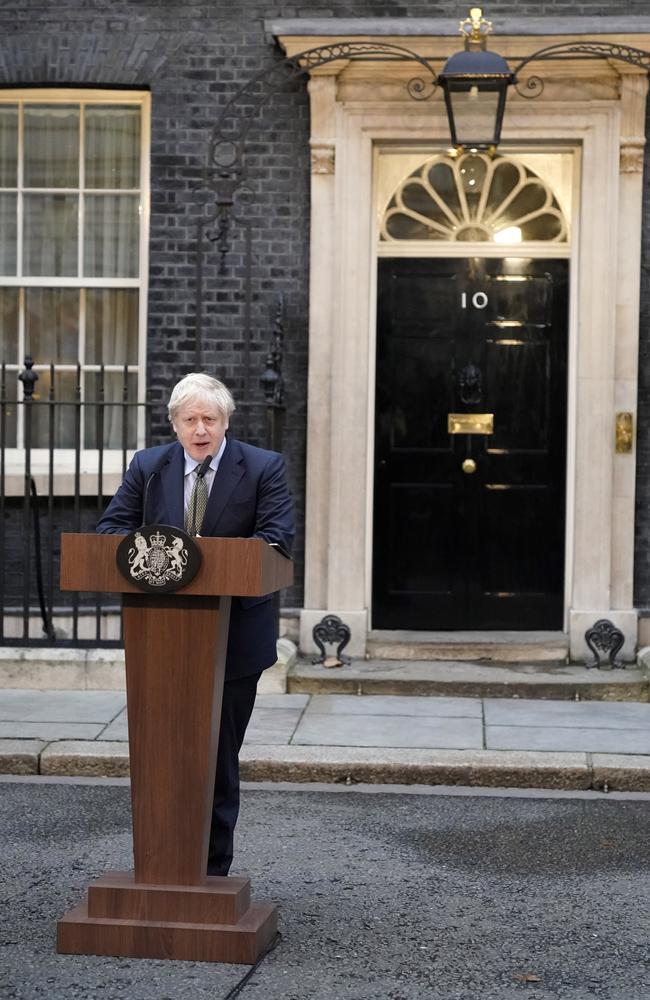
pixel 213 922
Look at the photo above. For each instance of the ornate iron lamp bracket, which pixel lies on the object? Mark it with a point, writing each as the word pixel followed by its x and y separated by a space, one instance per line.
pixel 225 172
pixel 533 86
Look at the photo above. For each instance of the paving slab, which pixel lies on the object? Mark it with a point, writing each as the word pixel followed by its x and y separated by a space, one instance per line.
pixel 388 731
pixel 118 729
pixel 609 715
pixel 589 740
pixel 274 719
pixel 273 725
pixel 396 705
pixel 282 701
pixel 60 706
pixel 51 730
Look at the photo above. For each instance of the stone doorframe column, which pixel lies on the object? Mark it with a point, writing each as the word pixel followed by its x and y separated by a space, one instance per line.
pixel 599 108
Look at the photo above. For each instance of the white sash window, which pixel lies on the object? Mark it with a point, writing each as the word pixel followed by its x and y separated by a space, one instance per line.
pixel 74 211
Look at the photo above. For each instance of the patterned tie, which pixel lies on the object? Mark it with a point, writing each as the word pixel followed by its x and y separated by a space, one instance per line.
pixel 196 507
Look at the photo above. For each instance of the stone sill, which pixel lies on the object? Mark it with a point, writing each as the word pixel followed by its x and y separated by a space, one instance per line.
pixel 53 669
pixel 64 472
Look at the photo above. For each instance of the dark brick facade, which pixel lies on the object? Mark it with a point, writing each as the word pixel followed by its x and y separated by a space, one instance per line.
pixel 193 56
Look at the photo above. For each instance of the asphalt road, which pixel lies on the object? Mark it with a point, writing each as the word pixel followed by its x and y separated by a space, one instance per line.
pixel 383 896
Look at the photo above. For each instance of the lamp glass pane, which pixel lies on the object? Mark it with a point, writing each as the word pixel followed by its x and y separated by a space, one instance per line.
pixel 475 114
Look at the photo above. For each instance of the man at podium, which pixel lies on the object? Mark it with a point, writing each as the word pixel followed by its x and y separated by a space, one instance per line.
pixel 211 484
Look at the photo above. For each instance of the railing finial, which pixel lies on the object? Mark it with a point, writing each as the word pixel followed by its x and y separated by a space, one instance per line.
pixel 29 378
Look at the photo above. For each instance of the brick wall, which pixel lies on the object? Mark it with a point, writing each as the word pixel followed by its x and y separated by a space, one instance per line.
pixel 194 56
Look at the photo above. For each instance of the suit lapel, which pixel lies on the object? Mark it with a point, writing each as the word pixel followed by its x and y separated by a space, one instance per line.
pixel 230 471
pixel 171 477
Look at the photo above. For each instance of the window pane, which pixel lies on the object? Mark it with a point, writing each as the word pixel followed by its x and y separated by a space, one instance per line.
pixel 543 227
pixel 52 324
pixel 62 433
pixel 8 145
pixel 112 137
pixel 111 326
pixel 8 230
pixel 104 421
pixel 112 236
pixel 51 146
pixel 8 410
pixel 50 235
pixel 9 326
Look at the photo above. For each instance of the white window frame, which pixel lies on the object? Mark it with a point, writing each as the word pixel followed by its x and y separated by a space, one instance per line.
pixel 65 457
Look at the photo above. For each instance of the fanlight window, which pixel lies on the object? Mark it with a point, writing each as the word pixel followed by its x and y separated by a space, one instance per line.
pixel 474 198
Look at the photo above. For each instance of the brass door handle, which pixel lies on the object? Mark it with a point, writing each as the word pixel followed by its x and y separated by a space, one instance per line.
pixel 469 466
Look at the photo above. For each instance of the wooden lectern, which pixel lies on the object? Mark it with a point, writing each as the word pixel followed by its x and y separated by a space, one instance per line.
pixel 175 648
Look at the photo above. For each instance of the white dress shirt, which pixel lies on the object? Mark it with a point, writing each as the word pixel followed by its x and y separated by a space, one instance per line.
pixel 191 465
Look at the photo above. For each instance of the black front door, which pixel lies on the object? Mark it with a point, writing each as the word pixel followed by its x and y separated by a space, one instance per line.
pixel 469 527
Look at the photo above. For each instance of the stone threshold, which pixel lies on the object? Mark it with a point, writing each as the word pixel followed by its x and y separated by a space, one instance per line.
pixel 502 646
pixel 358 765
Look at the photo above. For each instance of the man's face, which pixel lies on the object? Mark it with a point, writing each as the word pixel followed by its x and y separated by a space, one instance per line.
pixel 200 427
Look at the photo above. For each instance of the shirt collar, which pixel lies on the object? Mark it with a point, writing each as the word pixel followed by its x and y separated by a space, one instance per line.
pixel 191 464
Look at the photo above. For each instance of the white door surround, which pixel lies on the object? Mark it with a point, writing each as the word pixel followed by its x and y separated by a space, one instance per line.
pixel 595 106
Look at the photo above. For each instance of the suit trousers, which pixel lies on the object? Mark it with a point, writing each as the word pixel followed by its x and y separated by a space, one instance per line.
pixel 236 709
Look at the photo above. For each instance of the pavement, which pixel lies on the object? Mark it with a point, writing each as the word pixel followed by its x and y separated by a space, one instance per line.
pixel 357 738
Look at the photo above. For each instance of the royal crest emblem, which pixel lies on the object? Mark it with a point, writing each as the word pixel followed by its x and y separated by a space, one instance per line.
pixel 158 558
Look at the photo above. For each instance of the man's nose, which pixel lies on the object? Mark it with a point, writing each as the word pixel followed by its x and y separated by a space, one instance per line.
pixel 200 427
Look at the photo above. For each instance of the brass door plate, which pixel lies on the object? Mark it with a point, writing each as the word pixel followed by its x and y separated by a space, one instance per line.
pixel 624 433
pixel 470 423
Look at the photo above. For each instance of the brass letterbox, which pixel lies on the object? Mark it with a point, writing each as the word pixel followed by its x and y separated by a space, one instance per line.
pixel 470 423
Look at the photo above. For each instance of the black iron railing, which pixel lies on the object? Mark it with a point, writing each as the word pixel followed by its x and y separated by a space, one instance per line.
pixel 66 439
pixel 63 451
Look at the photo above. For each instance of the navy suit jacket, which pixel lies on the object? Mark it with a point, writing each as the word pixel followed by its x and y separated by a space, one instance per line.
pixel 249 498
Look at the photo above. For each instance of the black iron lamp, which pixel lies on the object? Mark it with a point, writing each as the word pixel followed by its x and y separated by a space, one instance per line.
pixel 475 83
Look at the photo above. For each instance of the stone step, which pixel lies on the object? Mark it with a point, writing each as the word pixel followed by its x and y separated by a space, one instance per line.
pixel 499 647
pixel 550 680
